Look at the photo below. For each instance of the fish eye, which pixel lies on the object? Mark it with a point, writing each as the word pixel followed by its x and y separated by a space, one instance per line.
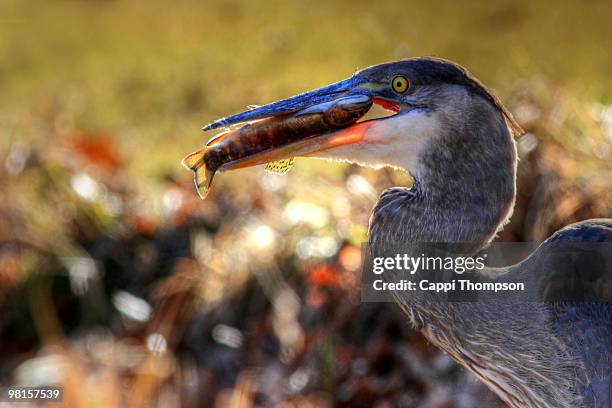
pixel 400 84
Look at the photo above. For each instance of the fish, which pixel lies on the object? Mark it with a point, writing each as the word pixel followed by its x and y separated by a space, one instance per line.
pixel 232 146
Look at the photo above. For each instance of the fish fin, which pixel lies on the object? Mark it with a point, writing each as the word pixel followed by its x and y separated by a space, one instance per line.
pixel 280 166
pixel 202 176
pixel 194 159
pixel 217 138
pixel 251 107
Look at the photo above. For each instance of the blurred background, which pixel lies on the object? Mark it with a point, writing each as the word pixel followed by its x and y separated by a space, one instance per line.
pixel 119 284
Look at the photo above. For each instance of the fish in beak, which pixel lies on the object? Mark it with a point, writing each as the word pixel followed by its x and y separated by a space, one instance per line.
pixel 274 134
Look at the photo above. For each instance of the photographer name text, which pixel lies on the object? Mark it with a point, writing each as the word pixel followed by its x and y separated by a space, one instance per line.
pixel 443 287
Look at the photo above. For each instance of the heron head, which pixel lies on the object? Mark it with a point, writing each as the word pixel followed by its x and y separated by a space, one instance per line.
pixel 415 101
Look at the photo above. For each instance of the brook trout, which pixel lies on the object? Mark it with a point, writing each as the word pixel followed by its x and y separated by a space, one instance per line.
pixel 232 146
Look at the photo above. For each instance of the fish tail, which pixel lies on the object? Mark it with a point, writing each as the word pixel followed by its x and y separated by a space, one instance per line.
pixel 202 176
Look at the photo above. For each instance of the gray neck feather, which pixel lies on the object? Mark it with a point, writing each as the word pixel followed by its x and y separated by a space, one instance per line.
pixel 464 191
pixel 464 186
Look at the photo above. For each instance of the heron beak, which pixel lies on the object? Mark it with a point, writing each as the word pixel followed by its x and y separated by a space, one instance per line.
pixel 293 104
pixel 309 102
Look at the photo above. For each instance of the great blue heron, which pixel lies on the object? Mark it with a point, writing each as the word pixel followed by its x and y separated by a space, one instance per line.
pixel 456 139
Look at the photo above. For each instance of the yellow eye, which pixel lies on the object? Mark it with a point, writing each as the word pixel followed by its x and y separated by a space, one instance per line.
pixel 400 84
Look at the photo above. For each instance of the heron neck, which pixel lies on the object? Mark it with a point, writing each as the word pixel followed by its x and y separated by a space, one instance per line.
pixel 464 189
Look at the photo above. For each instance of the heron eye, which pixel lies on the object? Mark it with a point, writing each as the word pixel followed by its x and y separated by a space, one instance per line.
pixel 400 84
